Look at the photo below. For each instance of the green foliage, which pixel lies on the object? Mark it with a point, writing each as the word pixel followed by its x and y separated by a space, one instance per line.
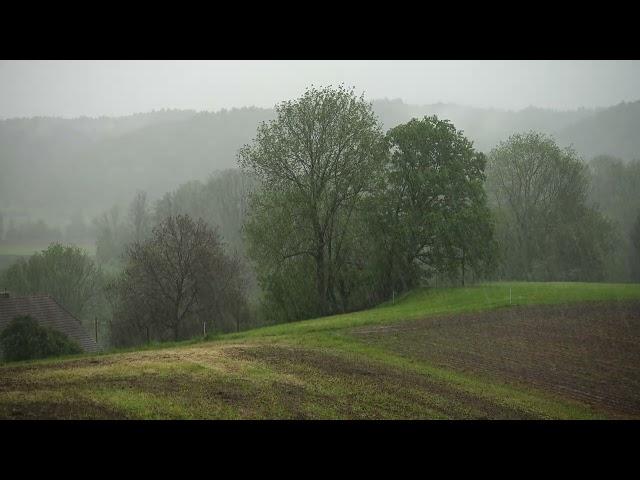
pixel 315 164
pixel 546 229
pixel 65 272
pixel 25 339
pixel 434 202
pixel 221 202
pixel 345 218
pixel 112 157
pixel 614 191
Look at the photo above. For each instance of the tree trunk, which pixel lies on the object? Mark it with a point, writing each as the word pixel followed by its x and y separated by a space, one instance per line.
pixel 321 281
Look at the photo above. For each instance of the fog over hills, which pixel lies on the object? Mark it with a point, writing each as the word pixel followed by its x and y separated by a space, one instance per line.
pixel 53 169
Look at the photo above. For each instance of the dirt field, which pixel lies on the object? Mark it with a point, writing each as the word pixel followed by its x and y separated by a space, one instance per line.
pixel 588 352
pixel 239 381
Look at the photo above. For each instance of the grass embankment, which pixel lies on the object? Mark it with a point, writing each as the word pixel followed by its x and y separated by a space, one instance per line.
pixel 316 368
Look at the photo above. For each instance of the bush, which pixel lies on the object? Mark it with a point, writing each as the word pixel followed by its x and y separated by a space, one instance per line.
pixel 25 339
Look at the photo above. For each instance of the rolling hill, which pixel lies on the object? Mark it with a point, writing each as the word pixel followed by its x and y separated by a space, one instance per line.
pixel 497 350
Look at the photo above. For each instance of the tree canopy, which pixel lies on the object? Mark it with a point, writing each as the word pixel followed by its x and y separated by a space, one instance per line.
pixel 435 190
pixel 66 272
pixel 176 283
pixel 316 162
pixel 547 231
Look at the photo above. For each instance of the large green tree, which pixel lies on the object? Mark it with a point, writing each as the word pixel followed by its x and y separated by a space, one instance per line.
pixel 65 272
pixel 434 213
pixel 316 162
pixel 546 228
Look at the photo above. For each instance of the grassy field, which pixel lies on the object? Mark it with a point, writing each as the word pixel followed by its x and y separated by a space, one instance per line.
pixel 497 350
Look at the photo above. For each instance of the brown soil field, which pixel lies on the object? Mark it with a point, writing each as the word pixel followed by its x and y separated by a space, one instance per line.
pixel 287 382
pixel 588 352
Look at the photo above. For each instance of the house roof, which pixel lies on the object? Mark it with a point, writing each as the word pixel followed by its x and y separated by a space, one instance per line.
pixel 48 313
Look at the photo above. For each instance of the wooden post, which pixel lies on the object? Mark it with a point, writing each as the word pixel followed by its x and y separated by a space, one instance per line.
pixel 96 323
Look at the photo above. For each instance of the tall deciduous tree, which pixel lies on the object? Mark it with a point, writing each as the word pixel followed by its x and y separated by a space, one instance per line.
pixel 547 230
pixel 315 162
pixel 436 204
pixel 175 283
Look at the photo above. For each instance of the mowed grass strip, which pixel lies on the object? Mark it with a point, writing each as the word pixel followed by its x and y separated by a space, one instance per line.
pixel 311 369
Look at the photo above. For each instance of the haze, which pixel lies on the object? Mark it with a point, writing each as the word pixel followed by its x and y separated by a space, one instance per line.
pixel 114 88
pixel 460 238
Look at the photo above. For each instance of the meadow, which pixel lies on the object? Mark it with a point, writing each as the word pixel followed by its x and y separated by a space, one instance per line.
pixel 488 351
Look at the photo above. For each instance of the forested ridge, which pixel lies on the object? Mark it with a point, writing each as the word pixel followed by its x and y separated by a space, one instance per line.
pixel 54 169
pixel 326 204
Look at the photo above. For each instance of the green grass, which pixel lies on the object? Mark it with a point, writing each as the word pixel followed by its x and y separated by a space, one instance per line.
pixel 430 302
pixel 307 369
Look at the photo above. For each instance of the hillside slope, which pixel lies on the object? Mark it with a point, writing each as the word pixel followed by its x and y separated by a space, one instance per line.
pixel 612 131
pixel 369 365
pixel 55 168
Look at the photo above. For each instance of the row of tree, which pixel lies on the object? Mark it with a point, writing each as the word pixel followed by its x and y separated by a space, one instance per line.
pixel 220 202
pixel 174 284
pixel 344 215
pixel 331 214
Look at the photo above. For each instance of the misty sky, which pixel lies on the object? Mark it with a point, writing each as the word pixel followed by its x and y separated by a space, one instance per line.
pixel 95 88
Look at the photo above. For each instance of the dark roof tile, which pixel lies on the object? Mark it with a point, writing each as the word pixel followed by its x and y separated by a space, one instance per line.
pixel 48 313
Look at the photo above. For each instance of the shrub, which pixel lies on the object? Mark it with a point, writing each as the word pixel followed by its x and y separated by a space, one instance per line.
pixel 25 339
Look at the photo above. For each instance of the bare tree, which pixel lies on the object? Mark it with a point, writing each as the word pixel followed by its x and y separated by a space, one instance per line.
pixel 178 280
pixel 139 216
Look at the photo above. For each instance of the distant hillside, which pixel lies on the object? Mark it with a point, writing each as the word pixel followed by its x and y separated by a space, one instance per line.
pixel 486 127
pixel 54 168
pixel 614 131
